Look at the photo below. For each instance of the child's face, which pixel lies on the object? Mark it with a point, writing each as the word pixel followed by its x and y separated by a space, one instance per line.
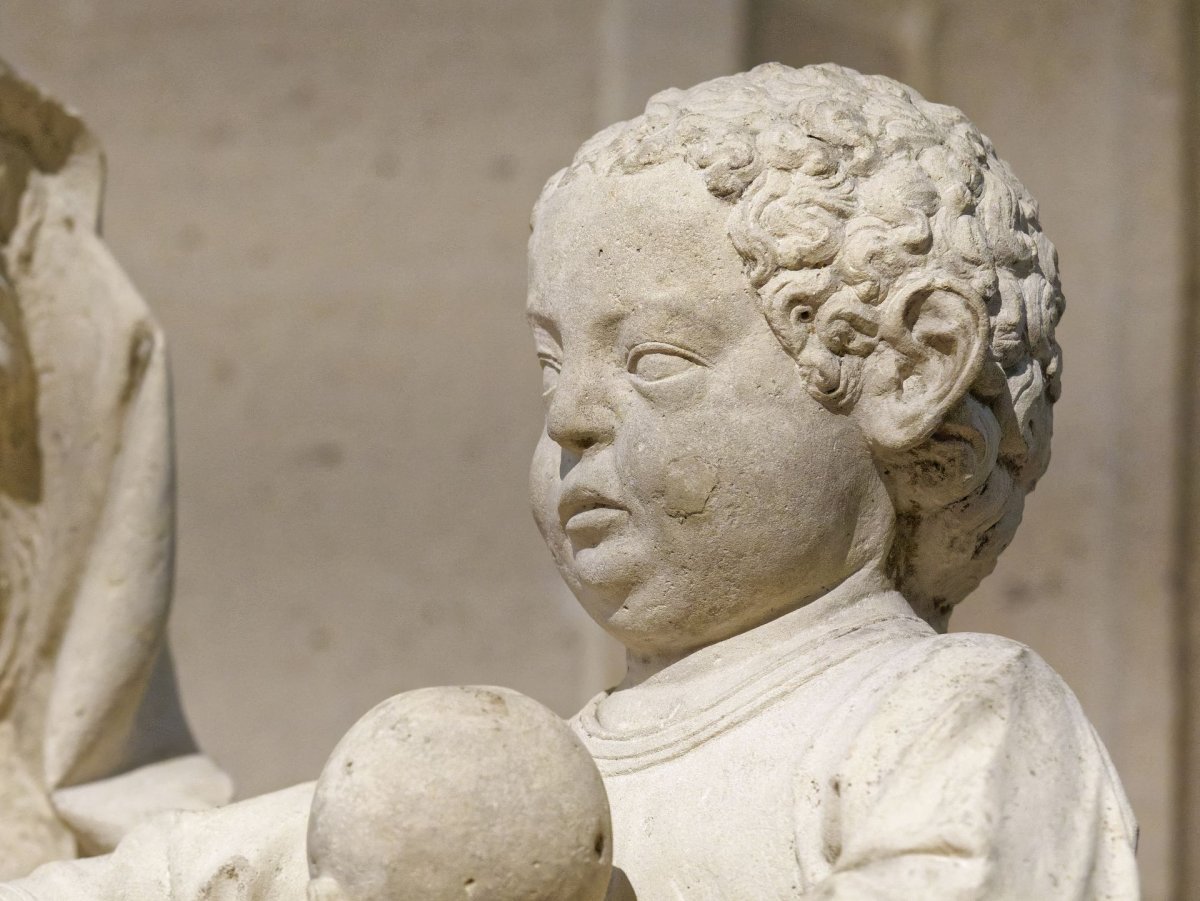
pixel 688 485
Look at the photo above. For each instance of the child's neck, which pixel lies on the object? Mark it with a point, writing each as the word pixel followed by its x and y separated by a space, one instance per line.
pixel 666 687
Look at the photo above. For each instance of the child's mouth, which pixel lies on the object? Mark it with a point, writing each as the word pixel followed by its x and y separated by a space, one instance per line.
pixel 593 519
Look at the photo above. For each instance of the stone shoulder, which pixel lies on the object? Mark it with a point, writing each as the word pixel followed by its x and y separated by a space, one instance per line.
pixel 972 696
pixel 979 665
pixel 973 742
pixel 993 705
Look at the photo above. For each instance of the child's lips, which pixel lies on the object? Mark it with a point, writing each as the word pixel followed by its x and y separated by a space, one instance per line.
pixel 585 509
pixel 593 520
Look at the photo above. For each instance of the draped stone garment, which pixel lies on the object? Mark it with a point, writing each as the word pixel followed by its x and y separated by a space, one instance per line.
pixel 844 751
pixel 92 740
pixel 848 751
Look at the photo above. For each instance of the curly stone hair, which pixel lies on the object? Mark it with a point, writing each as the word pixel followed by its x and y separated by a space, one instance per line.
pixel 842 187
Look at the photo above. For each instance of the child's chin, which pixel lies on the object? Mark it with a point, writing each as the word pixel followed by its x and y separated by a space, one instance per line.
pixel 608 568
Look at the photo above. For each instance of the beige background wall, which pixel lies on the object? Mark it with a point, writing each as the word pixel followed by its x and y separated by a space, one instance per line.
pixel 1188 560
pixel 327 206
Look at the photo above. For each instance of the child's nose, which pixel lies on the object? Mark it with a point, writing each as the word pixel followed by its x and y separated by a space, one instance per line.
pixel 579 416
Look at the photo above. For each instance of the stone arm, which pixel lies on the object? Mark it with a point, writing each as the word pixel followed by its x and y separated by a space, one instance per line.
pixel 978 774
pixel 250 851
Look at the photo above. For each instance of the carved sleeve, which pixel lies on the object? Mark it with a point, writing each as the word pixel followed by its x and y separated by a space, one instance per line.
pixel 978 776
pixel 250 851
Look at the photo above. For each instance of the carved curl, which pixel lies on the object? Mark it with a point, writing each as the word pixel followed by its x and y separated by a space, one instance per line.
pixel 842 187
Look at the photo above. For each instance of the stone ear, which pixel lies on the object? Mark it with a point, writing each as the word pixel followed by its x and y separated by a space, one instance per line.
pixel 932 339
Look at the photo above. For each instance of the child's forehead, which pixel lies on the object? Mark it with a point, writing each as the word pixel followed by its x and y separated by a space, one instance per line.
pixel 662 203
pixel 653 234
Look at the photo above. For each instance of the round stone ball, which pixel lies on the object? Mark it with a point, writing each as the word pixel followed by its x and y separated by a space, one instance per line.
pixel 460 793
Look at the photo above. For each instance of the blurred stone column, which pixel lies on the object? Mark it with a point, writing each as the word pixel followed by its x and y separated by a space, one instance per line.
pixel 1188 545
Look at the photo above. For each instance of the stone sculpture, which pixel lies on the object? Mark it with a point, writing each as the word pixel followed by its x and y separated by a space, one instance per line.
pixel 91 735
pixel 797 328
pixel 459 793
pixel 797 336
pixel 465 793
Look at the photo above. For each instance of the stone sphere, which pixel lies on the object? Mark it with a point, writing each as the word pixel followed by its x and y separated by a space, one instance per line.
pixel 460 793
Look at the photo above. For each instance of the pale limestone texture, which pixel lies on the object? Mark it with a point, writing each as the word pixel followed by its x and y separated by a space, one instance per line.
pixel 434 795
pixel 797 338
pixel 272 162
pixel 91 736
pixel 845 751
pixel 447 793
pixel 825 305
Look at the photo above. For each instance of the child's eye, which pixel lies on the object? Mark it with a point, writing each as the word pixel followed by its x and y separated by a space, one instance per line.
pixel 653 362
pixel 550 370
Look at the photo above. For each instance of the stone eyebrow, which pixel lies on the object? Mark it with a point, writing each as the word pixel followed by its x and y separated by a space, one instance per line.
pixel 678 311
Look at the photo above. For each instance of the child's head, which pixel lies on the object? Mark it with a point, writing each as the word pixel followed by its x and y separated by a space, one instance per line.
pixel 696 479
pixel 456 793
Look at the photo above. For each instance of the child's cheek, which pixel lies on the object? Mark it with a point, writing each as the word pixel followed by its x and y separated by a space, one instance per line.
pixel 688 484
pixel 673 472
pixel 544 482
pixel 667 457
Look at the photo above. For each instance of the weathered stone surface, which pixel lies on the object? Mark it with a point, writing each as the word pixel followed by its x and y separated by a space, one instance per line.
pixel 1076 613
pixel 91 736
pixel 797 336
pixel 448 793
pixel 438 794
pixel 828 304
